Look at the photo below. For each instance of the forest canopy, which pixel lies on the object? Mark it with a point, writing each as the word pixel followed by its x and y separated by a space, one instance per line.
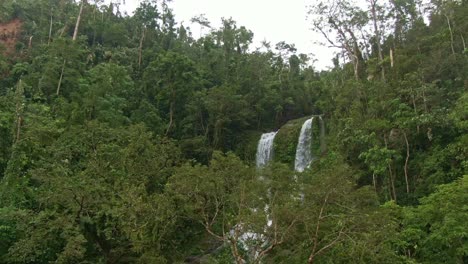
pixel 126 139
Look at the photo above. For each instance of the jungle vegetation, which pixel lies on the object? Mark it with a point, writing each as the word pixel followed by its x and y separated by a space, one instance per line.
pixel 126 139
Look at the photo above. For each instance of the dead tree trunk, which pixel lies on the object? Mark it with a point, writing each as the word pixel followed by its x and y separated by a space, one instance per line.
pixel 406 162
pixel 78 20
pixel 392 181
pixel 451 34
pixel 463 41
pixel 50 29
pixel 391 58
pixel 61 78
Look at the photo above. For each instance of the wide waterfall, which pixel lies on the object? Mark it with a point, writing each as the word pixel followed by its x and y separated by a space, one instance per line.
pixel 304 145
pixel 265 149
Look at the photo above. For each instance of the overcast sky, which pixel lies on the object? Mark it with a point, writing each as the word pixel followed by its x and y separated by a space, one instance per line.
pixel 269 20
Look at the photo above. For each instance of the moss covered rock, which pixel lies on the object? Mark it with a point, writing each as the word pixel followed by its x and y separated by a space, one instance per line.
pixel 246 147
pixel 286 141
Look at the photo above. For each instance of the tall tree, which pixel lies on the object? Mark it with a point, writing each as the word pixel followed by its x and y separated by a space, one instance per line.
pixel 345 20
pixel 78 20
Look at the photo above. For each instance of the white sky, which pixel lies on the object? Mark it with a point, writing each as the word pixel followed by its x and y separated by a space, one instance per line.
pixel 270 20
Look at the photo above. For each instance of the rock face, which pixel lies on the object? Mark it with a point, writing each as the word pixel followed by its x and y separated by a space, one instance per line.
pixel 299 141
pixel 286 141
pixel 9 36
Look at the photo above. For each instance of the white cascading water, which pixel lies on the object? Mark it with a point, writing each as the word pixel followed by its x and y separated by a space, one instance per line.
pixel 265 149
pixel 264 155
pixel 304 145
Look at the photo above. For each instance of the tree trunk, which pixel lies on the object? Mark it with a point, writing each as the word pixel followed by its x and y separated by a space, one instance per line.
pixel 353 52
pixel 374 182
pixel 61 77
pixel 323 143
pixel 234 249
pixel 356 68
pixel 406 162
pixel 391 58
pixel 50 30
pixel 398 23
pixel 463 41
pixel 313 252
pixel 425 100
pixel 451 34
pixel 78 20
pixel 377 36
pixel 140 48
pixel 19 93
pixel 235 252
pixel 392 181
pixel 389 184
pixel 19 120
pixel 171 117
pixel 415 108
pixel 390 177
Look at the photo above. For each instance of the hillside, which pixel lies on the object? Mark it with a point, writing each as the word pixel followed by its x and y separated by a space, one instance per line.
pixel 125 139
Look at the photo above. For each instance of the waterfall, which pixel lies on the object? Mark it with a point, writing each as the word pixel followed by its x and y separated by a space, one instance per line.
pixel 265 149
pixel 248 238
pixel 304 145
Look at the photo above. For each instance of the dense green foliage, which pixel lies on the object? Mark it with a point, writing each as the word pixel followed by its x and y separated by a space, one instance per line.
pixel 286 141
pixel 134 142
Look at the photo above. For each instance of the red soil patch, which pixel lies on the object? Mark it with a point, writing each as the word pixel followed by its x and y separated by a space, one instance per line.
pixel 9 35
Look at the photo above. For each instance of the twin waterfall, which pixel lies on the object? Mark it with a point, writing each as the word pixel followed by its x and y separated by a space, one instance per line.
pixel 264 155
pixel 304 156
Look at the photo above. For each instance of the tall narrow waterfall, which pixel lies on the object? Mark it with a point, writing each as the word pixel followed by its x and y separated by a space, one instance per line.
pixel 265 149
pixel 304 145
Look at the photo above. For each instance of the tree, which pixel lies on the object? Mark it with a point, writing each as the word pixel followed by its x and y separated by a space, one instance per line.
pixel 175 77
pixel 105 91
pixel 223 121
pixel 57 70
pixel 80 195
pixel 249 215
pixel 345 20
pixel 202 21
pixel 109 142
pixel 78 20
pixel 436 230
